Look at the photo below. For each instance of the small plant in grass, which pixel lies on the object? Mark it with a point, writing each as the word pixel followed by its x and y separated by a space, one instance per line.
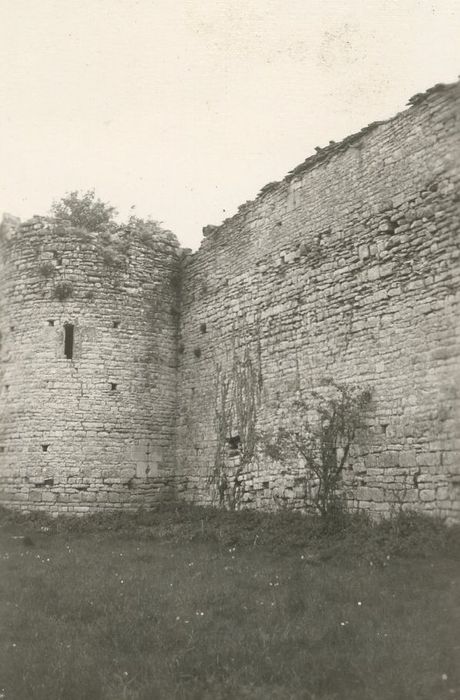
pixel 321 431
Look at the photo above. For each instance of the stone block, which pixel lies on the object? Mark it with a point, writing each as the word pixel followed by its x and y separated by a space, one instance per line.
pixel 428 459
pixel 363 252
pixel 386 269
pixel 373 273
pixel 364 493
pixel 408 458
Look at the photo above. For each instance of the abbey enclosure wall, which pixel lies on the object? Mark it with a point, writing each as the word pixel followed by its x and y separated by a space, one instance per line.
pixel 347 269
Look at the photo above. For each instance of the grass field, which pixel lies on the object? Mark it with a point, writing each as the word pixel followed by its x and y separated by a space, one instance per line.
pixel 198 604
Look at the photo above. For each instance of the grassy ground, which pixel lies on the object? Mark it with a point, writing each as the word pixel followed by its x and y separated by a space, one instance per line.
pixel 198 604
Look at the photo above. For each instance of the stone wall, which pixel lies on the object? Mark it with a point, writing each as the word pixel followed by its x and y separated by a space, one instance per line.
pixel 130 371
pixel 94 430
pixel 347 268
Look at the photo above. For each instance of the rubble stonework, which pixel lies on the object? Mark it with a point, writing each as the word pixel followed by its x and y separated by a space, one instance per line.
pixel 95 430
pixel 348 268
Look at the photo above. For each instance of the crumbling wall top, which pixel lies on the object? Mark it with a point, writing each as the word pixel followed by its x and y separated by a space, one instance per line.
pixel 324 154
pixel 148 233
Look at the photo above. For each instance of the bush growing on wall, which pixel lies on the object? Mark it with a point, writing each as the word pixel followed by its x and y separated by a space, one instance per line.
pixel 146 227
pixel 63 290
pixel 84 211
pixel 321 431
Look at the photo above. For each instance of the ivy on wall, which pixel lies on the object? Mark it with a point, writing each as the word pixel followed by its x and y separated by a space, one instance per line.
pixel 237 401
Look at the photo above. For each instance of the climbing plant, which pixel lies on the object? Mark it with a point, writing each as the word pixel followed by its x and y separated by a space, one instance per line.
pixel 218 476
pixel 320 430
pixel 237 399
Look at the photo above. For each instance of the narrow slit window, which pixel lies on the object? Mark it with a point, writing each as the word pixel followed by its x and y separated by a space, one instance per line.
pixel 68 340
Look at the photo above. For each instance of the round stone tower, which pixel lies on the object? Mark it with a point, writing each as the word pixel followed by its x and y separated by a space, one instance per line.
pixel 88 334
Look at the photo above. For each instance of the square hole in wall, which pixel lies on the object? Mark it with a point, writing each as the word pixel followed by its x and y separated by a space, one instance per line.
pixel 45 448
pixel 116 324
pixel 51 322
pixel 2 449
pixel 234 442
pixel 234 445
pixel 113 386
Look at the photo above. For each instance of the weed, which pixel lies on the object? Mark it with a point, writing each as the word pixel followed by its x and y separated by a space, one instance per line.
pixel 63 290
pixel 47 270
pixel 112 258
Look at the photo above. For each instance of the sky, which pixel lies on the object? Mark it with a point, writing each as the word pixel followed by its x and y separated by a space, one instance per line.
pixel 185 109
